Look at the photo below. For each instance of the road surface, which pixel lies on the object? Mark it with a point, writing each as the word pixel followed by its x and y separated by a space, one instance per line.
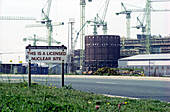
pixel 134 87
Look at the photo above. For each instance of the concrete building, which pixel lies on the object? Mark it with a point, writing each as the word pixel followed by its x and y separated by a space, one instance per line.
pixel 130 47
pixel 152 64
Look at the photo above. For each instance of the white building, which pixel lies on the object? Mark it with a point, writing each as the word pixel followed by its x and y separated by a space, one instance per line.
pixel 158 64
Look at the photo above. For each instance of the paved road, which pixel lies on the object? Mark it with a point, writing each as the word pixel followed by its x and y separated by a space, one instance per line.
pixel 135 88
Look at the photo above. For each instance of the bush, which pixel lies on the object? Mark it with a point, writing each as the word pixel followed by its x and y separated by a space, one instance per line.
pixel 105 71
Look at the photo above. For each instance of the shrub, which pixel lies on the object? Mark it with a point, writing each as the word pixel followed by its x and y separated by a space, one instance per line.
pixel 105 71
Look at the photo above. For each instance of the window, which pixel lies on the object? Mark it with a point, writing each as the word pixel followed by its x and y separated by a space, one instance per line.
pixel 157 68
pixel 146 68
pixel 162 68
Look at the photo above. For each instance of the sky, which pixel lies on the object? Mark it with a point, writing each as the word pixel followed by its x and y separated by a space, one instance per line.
pixel 12 32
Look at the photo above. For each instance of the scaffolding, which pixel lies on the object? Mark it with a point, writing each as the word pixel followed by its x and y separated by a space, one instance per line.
pixel 130 47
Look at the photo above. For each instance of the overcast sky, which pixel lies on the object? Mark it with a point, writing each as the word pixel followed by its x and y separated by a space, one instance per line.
pixel 12 32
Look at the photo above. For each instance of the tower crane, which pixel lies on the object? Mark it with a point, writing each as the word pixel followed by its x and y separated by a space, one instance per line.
pixel 147 28
pixel 34 39
pixel 128 17
pixel 82 33
pixel 147 10
pixel 46 22
pixel 148 21
pixel 98 21
pixel 82 28
pixel 141 24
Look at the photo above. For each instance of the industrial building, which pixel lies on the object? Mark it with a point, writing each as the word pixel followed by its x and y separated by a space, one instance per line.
pixel 77 59
pixel 130 47
pixel 22 69
pixel 101 50
pixel 152 64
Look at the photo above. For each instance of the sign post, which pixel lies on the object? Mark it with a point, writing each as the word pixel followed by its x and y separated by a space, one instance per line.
pixel 29 70
pixel 29 73
pixel 46 54
pixel 62 73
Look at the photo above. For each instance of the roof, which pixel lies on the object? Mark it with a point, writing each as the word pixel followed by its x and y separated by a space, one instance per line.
pixel 148 56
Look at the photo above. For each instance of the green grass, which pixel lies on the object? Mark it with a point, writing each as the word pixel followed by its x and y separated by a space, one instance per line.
pixel 38 98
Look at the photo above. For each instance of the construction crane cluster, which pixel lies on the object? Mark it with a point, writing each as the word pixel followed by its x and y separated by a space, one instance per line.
pixel 146 29
pixel 46 22
pixel 96 22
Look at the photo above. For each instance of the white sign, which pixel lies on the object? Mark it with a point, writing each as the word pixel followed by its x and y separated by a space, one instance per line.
pixel 46 54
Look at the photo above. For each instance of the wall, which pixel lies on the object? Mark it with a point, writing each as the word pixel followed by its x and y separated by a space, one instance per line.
pixel 101 50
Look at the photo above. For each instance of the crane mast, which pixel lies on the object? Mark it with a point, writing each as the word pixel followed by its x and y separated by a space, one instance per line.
pixel 82 33
pixel 128 17
pixel 148 25
pixel 148 21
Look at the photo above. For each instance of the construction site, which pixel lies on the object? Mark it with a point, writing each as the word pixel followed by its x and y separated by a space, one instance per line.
pixel 158 45
pixel 98 49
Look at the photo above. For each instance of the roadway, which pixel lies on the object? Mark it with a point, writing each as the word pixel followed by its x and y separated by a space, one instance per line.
pixel 144 88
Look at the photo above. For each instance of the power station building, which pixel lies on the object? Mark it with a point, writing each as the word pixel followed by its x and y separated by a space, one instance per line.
pixel 152 64
pixel 101 50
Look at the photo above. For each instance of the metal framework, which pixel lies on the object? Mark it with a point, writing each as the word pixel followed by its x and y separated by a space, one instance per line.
pixel 46 22
pixel 147 11
pixel 40 39
pixel 82 33
pixel 71 22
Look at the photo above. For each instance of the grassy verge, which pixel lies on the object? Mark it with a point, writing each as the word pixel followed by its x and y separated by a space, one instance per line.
pixel 38 98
